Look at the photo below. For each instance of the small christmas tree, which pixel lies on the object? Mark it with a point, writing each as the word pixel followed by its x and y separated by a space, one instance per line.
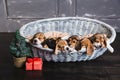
pixel 19 47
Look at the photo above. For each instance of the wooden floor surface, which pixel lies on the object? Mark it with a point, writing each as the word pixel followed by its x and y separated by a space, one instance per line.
pixel 106 67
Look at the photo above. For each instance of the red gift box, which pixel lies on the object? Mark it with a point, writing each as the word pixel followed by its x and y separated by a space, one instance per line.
pixel 34 64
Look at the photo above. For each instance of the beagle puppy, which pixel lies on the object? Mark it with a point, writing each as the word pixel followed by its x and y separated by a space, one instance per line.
pixel 72 41
pixel 101 41
pixel 38 38
pixel 85 45
pixel 81 44
pixel 49 43
pixel 57 45
pixel 61 46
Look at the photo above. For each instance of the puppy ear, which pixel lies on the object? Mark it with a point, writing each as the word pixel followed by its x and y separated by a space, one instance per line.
pixel 58 39
pixel 104 44
pixel 29 39
pixel 44 37
pixel 92 39
pixel 105 35
pixel 78 46
pixel 90 49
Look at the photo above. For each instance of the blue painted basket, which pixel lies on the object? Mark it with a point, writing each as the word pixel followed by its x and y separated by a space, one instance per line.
pixel 73 26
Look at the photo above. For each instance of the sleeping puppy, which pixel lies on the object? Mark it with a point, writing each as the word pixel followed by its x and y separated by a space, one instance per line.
pixel 79 44
pixel 38 38
pixel 57 44
pixel 72 41
pixel 49 43
pixel 101 41
pixel 61 46
pixel 85 45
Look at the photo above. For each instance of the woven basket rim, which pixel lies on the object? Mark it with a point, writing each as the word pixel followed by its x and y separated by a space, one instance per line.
pixel 111 39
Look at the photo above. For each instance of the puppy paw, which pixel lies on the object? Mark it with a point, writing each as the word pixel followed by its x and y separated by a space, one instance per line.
pixel 56 52
pixel 83 50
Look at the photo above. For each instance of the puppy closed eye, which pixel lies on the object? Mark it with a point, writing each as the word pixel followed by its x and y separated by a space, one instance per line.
pixel 97 41
pixel 74 41
pixel 60 47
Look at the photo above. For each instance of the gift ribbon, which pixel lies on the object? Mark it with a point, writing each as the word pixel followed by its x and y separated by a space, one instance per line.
pixel 32 60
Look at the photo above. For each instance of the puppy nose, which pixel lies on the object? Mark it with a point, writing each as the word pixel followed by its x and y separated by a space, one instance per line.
pixel 100 46
pixel 67 48
pixel 35 40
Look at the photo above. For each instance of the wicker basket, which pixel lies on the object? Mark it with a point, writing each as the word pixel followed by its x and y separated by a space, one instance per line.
pixel 73 26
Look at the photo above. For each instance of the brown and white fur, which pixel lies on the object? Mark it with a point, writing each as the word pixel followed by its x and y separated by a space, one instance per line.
pixel 101 41
pixel 57 44
pixel 62 46
pixel 73 40
pixel 38 38
pixel 49 43
pixel 85 44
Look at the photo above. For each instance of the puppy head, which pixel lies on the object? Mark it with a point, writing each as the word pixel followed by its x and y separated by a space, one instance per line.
pixel 61 45
pixel 72 41
pixel 99 40
pixel 49 43
pixel 85 44
pixel 38 38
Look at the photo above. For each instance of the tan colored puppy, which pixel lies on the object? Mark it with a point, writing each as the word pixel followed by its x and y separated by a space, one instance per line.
pixel 99 40
pixel 73 40
pixel 85 44
pixel 61 45
pixel 38 38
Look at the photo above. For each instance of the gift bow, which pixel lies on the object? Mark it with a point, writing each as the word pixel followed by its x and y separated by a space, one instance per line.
pixel 29 60
pixel 32 60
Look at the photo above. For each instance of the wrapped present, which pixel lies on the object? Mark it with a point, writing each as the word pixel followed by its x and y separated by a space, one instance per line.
pixel 34 64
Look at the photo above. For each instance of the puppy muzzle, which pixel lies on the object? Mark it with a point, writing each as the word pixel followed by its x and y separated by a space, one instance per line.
pixel 69 49
pixel 36 41
pixel 97 45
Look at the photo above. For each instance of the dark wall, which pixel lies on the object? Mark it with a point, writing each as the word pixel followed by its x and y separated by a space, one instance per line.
pixel 15 13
